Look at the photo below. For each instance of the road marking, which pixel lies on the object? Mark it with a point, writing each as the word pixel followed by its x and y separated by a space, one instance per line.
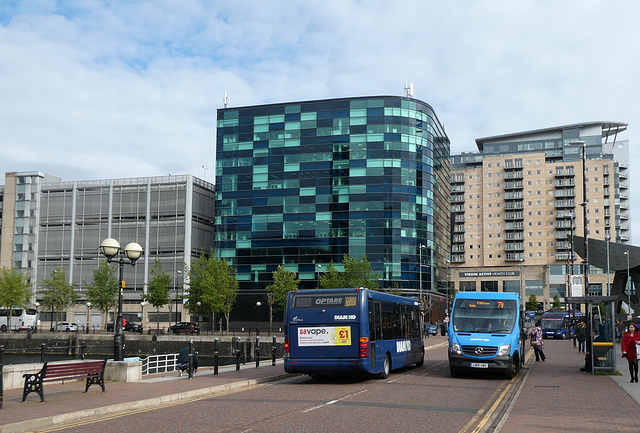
pixel 333 401
pixel 143 410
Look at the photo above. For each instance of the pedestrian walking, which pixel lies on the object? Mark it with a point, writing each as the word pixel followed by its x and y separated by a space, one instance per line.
pixel 537 343
pixel 630 349
pixel 581 335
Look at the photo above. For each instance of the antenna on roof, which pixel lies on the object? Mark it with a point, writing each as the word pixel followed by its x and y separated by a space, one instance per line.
pixel 408 90
pixel 225 100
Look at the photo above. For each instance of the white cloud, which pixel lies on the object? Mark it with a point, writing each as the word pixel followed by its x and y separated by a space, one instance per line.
pixel 115 89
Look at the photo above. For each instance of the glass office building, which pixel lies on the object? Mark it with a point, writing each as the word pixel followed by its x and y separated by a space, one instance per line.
pixel 301 184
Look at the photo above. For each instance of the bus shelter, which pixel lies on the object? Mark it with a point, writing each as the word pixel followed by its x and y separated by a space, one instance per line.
pixel 601 323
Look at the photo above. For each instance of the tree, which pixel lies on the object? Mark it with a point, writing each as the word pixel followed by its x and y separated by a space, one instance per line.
pixel 158 288
pixel 532 303
pixel 213 284
pixel 283 282
pixel 556 302
pixel 14 289
pixel 58 292
pixel 331 278
pixel 395 289
pixel 103 291
pixel 357 273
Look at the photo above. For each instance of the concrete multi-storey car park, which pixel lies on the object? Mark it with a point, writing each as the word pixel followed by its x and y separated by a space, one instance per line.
pixel 61 224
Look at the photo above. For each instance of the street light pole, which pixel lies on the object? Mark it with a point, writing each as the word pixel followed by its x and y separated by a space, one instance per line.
pixel 258 305
pixel 110 249
pixel 584 214
pixel 608 238
pixel 88 317
pixel 627 288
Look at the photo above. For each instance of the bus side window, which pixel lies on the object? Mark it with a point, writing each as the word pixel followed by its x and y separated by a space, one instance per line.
pixel 375 330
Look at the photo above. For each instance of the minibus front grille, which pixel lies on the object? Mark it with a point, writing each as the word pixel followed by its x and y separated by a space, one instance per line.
pixel 479 350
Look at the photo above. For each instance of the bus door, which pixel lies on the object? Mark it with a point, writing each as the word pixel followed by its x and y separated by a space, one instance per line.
pixel 375 332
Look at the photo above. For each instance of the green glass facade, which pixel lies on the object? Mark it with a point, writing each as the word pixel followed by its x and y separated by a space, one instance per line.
pixel 301 184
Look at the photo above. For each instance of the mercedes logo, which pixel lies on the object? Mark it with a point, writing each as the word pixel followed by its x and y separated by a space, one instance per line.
pixel 478 350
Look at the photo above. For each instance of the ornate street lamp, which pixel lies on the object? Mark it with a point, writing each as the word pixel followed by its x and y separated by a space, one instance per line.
pixel 88 317
pixel 258 305
pixel 110 249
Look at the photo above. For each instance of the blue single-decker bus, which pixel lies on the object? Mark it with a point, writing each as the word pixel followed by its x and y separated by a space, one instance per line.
pixel 351 331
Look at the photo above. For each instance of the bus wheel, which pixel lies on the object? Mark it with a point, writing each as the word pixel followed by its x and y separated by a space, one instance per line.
pixel 3 328
pixel 512 368
pixel 455 372
pixel 421 362
pixel 386 367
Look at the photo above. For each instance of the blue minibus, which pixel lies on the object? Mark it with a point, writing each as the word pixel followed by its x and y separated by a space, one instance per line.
pixel 559 324
pixel 351 331
pixel 485 333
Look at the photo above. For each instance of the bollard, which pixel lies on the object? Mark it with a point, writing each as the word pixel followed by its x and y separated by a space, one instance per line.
pixel 83 346
pixel 273 351
pixel 216 343
pixel 1 384
pixel 191 358
pixel 238 354
pixel 257 351
pixel 42 349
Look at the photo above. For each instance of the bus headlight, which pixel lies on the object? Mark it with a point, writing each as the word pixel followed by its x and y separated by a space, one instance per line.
pixel 504 350
pixel 455 348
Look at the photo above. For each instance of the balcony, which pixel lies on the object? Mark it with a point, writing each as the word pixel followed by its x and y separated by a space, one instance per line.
pixel 514 236
pixel 565 172
pixel 513 257
pixel 511 216
pixel 513 175
pixel 513 185
pixel 519 246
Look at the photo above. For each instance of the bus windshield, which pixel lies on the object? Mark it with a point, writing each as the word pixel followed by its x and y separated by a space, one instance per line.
pixel 485 315
pixel 552 321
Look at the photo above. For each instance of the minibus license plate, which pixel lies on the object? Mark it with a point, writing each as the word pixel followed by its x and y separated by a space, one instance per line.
pixel 479 365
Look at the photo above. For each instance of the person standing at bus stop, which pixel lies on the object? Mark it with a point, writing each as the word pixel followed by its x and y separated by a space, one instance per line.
pixel 536 342
pixel 629 346
pixel 581 335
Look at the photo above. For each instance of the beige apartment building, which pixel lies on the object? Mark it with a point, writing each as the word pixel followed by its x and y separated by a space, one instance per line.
pixel 516 203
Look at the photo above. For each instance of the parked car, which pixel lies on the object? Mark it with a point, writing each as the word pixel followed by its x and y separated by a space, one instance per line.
pixel 65 327
pixel 185 328
pixel 133 327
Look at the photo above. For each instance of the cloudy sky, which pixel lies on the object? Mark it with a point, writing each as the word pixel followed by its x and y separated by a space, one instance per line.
pixel 102 89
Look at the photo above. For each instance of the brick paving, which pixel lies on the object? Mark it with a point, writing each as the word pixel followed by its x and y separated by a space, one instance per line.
pixel 555 396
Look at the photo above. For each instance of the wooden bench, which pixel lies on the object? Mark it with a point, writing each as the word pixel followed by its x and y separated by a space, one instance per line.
pixel 93 371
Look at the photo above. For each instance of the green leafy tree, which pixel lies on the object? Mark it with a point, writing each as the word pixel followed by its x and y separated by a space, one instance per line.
pixel 158 289
pixel 532 303
pixel 213 284
pixel 357 273
pixel 330 279
pixel 14 289
pixel 102 292
pixel 59 294
pixel 395 289
pixel 556 302
pixel 283 282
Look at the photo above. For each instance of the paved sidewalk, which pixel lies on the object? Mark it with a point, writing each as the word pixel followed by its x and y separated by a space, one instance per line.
pixel 554 396
pixel 65 402
pixel 557 397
